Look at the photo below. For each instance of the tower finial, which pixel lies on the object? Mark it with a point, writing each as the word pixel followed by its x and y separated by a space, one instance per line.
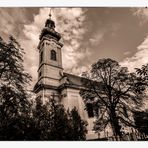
pixel 50 13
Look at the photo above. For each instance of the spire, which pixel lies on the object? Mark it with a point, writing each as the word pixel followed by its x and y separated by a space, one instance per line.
pixel 49 22
pixel 50 14
pixel 49 28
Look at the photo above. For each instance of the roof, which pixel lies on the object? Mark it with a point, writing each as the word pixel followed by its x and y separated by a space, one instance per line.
pixel 77 82
pixel 67 80
pixel 71 80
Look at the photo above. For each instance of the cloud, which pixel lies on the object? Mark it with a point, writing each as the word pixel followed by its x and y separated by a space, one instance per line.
pixel 70 23
pixel 139 58
pixel 142 14
pixel 126 53
pixel 11 22
pixel 97 37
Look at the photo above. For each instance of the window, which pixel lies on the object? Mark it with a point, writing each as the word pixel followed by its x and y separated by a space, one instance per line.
pixel 53 55
pixel 90 111
pixel 41 57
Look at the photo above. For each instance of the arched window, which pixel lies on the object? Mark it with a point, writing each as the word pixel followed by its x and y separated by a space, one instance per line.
pixel 53 55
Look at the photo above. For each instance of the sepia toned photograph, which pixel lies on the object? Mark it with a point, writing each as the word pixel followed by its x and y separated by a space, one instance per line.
pixel 73 74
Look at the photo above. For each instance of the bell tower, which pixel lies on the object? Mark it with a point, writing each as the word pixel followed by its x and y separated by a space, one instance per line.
pixel 50 60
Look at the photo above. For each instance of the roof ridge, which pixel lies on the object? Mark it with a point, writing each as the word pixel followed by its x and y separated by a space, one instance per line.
pixel 72 74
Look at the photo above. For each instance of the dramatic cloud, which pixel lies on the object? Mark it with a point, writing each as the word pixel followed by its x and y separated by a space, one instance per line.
pixel 11 22
pixel 72 29
pixel 141 56
pixel 142 13
pixel 97 37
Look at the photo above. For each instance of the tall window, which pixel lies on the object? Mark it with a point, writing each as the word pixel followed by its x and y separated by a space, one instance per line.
pixel 53 55
pixel 90 110
pixel 41 57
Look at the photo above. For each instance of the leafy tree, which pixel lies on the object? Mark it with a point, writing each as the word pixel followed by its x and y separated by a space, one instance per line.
pixel 51 120
pixel 143 71
pixel 60 126
pixel 20 119
pixel 55 123
pixel 13 77
pixel 13 81
pixel 141 117
pixel 78 125
pixel 141 121
pixel 111 89
pixel 142 78
pixel 19 128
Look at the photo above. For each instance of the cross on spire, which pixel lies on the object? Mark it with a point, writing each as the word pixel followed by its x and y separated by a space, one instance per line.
pixel 50 13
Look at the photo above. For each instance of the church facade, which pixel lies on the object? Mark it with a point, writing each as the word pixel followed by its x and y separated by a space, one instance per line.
pixel 52 80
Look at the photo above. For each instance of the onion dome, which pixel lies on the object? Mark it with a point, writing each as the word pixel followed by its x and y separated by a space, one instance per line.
pixel 49 30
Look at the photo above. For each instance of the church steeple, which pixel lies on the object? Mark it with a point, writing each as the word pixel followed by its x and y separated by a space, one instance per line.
pixel 49 30
pixel 49 22
pixel 50 59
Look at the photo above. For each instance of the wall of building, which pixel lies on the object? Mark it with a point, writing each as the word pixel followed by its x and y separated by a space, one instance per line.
pixel 47 94
pixel 71 99
pixel 51 45
pixel 50 75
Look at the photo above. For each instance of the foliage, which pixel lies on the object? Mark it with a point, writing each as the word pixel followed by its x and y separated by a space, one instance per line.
pixel 143 71
pixel 78 125
pixel 141 121
pixel 141 117
pixel 14 103
pixel 142 78
pixel 58 124
pixel 20 119
pixel 111 88
pixel 13 78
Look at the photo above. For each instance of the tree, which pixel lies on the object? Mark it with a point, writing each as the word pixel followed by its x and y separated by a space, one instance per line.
pixel 13 76
pixel 143 71
pixel 20 119
pixel 142 78
pixel 55 123
pixel 13 81
pixel 59 124
pixel 141 121
pixel 111 89
pixel 78 125
pixel 141 117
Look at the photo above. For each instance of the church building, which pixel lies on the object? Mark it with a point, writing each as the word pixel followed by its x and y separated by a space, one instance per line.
pixel 53 80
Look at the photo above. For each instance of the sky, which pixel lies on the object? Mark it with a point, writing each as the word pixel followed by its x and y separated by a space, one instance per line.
pixel 88 34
